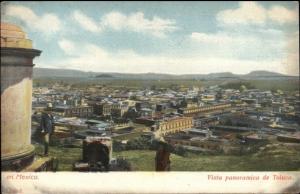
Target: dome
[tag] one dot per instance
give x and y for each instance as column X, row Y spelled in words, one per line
column 13, row 36
column 11, row 27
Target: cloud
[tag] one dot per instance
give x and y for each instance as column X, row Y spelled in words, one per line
column 247, row 13
column 211, row 38
column 244, row 35
column 292, row 54
column 254, row 14
column 94, row 58
column 114, row 20
column 47, row 23
column 240, row 45
column 67, row 46
column 138, row 23
column 282, row 15
column 86, row 22
column 135, row 22
column 277, row 47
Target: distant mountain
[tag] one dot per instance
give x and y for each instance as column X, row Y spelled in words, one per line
column 68, row 73
column 224, row 75
column 104, row 76
column 47, row 72
column 263, row 74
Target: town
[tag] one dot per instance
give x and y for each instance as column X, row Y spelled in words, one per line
column 212, row 120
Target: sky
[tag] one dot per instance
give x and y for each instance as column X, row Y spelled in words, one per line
column 161, row 37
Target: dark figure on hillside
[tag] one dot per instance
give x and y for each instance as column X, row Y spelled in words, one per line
column 47, row 127
column 162, row 159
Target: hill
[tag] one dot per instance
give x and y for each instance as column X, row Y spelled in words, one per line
column 69, row 73
column 264, row 74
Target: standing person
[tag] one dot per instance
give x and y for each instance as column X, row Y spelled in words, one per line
column 162, row 159
column 47, row 127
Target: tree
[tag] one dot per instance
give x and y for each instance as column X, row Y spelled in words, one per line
column 243, row 88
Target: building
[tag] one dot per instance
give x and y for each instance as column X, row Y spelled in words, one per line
column 118, row 110
column 98, row 125
column 290, row 138
column 207, row 121
column 103, row 109
column 173, row 125
column 110, row 109
column 148, row 121
column 208, row 97
column 202, row 109
column 78, row 111
column 145, row 112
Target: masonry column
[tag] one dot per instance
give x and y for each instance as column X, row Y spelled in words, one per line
column 16, row 97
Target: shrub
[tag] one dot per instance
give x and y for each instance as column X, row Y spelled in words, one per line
column 179, row 150
column 118, row 146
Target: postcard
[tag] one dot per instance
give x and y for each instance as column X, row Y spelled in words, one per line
column 150, row 97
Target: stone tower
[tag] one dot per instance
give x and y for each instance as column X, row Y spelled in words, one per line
column 16, row 96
